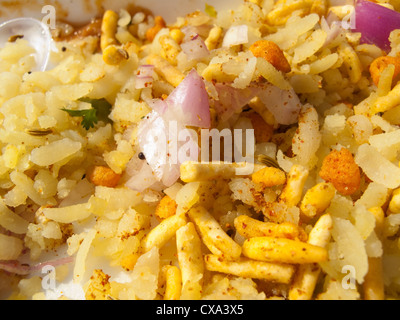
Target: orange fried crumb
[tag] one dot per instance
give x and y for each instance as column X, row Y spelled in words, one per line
column 263, row 131
column 340, row 169
column 380, row 64
column 271, row 52
column 152, row 32
column 269, row 177
column 166, row 208
column 104, row 176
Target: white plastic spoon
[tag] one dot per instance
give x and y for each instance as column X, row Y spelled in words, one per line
column 33, row 31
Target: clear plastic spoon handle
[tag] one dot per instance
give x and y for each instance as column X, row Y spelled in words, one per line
column 33, row 31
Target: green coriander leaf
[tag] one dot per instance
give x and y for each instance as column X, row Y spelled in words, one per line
column 102, row 106
column 88, row 115
column 100, row 111
column 210, row 10
column 89, row 119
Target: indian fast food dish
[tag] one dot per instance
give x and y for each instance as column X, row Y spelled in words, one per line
column 251, row 153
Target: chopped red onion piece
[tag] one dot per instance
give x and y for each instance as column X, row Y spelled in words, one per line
column 152, row 135
column 142, row 178
column 332, row 26
column 163, row 137
column 283, row 104
column 330, row 18
column 158, row 105
column 232, row 100
column 189, row 103
column 236, row 35
column 23, row 269
column 143, row 82
column 190, row 32
column 166, row 145
column 146, row 70
column 144, row 77
column 375, row 23
column 195, row 48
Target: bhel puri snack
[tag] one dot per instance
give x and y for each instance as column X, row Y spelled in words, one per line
column 248, row 154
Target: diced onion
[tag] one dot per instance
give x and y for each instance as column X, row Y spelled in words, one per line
column 195, row 48
column 164, row 138
column 161, row 142
column 142, row 178
column 231, row 100
column 236, row 35
column 189, row 104
column 146, row 70
column 24, row 269
column 285, row 105
column 143, row 82
column 332, row 26
column 144, row 77
column 375, row 23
